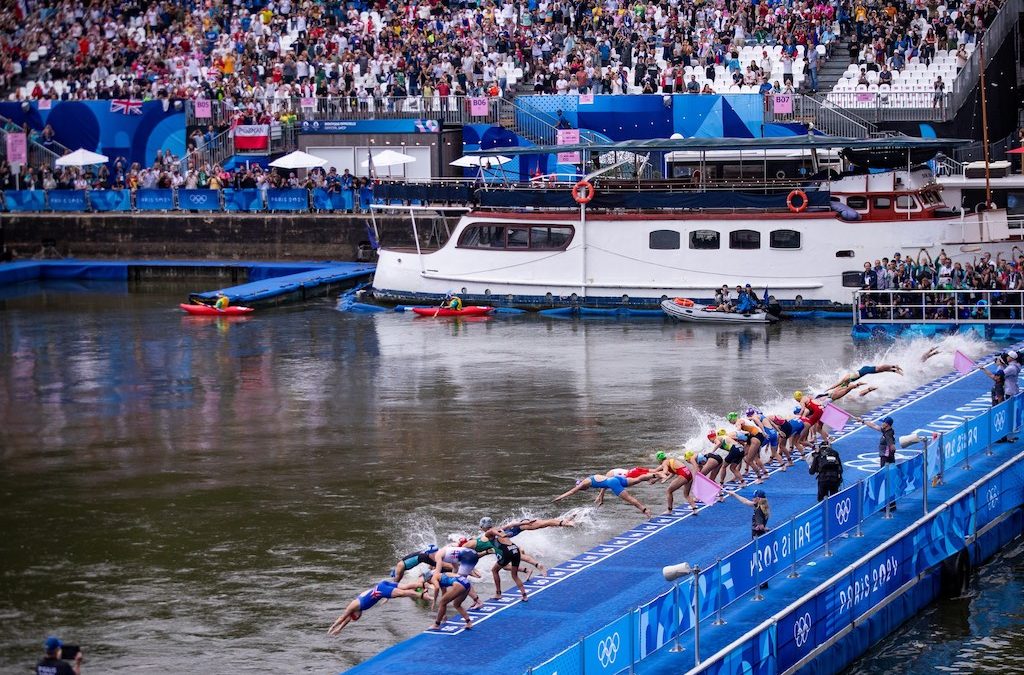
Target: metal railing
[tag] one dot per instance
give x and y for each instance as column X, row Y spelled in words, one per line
column 450, row 110
column 679, row 612
column 39, row 154
column 211, row 153
column 968, row 77
column 893, row 105
column 827, row 118
column 939, row 306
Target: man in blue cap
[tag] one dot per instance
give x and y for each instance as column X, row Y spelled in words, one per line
column 52, row 664
column 886, row 445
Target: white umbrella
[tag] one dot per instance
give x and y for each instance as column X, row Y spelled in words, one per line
column 388, row 158
column 299, row 160
column 469, row 161
column 82, row 157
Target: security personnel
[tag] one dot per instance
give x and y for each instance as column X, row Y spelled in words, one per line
column 826, row 463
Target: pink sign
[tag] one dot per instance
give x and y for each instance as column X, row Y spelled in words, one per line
column 586, row 99
column 865, row 98
column 568, row 137
column 783, row 104
column 307, row 102
column 962, row 364
column 44, row 104
column 204, row 110
column 17, row 148
column 478, row 107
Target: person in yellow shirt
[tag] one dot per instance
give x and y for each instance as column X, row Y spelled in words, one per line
column 222, row 302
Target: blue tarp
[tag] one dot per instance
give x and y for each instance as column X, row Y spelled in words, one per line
column 67, row 200
column 294, row 199
column 111, row 200
column 242, row 200
column 154, row 200
column 25, row 200
column 199, row 200
column 332, row 201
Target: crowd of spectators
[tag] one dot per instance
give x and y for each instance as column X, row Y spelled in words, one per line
column 949, row 287
column 246, row 50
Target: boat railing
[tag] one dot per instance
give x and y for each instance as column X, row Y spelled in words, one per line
column 695, row 602
column 955, row 306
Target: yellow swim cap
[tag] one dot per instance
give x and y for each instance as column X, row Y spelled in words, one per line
column 721, row 432
column 798, row 395
column 689, row 454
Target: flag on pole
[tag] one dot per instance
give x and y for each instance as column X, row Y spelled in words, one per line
column 834, row 417
column 962, row 364
column 704, row 489
column 126, row 106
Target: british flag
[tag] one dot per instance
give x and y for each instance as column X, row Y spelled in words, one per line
column 126, row 106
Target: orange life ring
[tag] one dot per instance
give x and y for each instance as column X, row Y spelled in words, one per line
column 696, row 175
column 684, row 302
column 803, row 201
column 587, row 192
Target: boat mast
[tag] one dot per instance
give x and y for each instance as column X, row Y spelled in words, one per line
column 984, row 126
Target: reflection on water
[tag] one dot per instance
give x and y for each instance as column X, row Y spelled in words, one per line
column 178, row 490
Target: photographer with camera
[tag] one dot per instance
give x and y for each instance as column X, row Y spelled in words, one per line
column 53, row 663
column 828, row 466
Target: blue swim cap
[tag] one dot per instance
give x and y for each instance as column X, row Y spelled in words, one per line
column 796, row 410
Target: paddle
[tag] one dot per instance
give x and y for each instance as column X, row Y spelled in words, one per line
column 439, row 308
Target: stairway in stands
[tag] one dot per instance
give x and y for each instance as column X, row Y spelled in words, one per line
column 833, row 69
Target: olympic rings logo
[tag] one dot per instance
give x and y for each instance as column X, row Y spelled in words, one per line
column 608, row 649
column 802, row 629
column 197, row 199
column 999, row 419
column 843, row 509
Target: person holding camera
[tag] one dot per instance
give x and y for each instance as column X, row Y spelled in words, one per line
column 828, row 467
column 53, row 663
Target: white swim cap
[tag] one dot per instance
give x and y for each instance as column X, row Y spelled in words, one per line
column 486, row 523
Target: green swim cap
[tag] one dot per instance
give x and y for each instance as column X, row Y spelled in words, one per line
column 733, row 416
column 660, row 456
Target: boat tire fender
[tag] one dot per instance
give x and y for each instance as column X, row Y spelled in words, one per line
column 583, row 192
column 797, row 208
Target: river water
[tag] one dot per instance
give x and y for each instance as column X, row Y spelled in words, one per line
column 179, row 492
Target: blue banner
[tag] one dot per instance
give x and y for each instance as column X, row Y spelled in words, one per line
column 293, row 199
column 843, row 511
column 936, row 540
column 877, row 491
column 835, row 607
column 879, row 577
column 736, row 574
column 154, row 200
column 954, row 446
column 199, row 200
column 67, row 200
column 110, row 200
column 410, row 126
column 1001, row 420
column 808, row 532
column 344, row 200
column 242, row 200
column 610, row 649
column 569, row 662
column 657, row 622
column 25, row 200
column 978, row 434
column 756, row 656
column 322, row 200
column 797, row 634
column 1018, row 412
column 906, row 476
column 991, row 503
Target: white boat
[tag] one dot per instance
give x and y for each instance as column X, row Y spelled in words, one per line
column 635, row 246
column 694, row 313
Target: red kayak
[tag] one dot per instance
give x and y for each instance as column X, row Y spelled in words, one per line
column 469, row 310
column 206, row 310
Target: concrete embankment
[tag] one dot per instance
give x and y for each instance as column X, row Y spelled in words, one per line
column 217, row 235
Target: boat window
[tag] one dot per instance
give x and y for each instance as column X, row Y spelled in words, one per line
column 483, row 236
column 844, row 254
column 853, row 280
column 906, row 202
column 857, row 202
column 746, row 239
column 550, row 238
column 518, row 237
column 883, row 203
column 664, row 239
column 704, row 239
column 784, row 239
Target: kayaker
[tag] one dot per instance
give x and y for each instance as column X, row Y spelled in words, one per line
column 384, row 590
column 617, row 484
column 454, row 303
column 680, row 471
column 222, row 302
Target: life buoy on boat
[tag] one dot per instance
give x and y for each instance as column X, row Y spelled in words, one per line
column 803, row 201
column 583, row 192
column 684, row 302
column 696, row 175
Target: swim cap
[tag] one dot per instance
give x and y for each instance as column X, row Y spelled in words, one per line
column 462, row 541
column 486, row 523
column 751, row 412
column 796, row 410
column 660, row 456
column 733, row 416
column 701, row 459
column 711, row 436
column 721, row 432
column 432, row 548
column 689, row 454
column 798, row 394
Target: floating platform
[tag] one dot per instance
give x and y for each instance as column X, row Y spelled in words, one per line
column 293, row 287
column 584, row 618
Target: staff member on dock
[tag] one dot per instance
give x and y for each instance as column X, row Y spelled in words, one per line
column 762, row 511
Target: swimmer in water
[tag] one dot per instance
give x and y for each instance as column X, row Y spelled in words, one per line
column 811, row 412
column 837, row 393
column 384, row 590
column 515, row 527
column 680, row 471
column 616, row 483
column 771, row 433
column 867, row 370
column 464, row 560
column 423, row 556
column 484, row 546
column 930, row 353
